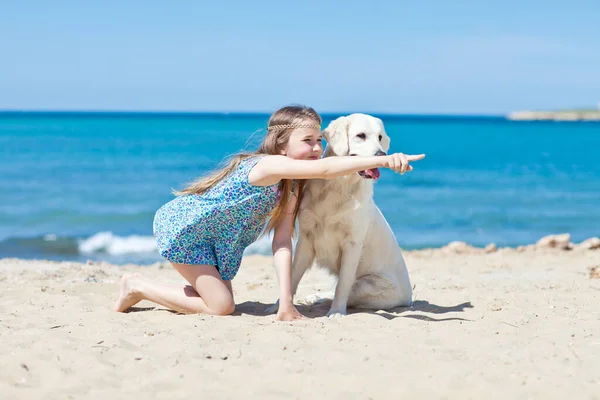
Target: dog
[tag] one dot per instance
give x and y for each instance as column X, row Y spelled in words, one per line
column 342, row 230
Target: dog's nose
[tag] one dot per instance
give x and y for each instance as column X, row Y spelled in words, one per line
column 381, row 153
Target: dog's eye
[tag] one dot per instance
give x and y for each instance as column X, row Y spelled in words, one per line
column 361, row 136
column 380, row 137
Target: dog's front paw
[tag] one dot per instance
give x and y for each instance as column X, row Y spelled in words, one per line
column 273, row 309
column 334, row 313
column 317, row 298
column 310, row 300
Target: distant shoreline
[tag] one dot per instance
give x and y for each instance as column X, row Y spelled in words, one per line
column 563, row 115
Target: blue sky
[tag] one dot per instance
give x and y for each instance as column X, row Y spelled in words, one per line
column 448, row 57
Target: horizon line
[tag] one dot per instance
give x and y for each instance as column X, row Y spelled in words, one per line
column 247, row 113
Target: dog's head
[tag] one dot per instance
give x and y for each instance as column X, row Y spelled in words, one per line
column 357, row 135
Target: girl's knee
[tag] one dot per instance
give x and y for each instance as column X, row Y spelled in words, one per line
column 221, row 304
column 225, row 306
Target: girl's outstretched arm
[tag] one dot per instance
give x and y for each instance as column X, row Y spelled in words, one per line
column 282, row 258
column 271, row 169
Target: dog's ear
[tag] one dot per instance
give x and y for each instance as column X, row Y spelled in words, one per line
column 336, row 135
column 385, row 142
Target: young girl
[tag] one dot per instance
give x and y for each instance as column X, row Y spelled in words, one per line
column 203, row 232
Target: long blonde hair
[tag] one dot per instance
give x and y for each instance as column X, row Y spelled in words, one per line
column 273, row 143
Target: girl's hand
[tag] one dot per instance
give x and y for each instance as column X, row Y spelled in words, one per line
column 398, row 162
column 289, row 314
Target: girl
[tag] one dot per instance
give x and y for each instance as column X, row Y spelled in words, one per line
column 203, row 232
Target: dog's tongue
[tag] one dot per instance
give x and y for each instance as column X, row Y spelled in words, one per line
column 373, row 173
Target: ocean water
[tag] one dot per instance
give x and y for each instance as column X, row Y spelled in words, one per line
column 78, row 186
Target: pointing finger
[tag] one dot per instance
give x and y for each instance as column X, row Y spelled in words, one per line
column 415, row 157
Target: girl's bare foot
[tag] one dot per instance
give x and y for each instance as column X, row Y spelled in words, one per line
column 130, row 292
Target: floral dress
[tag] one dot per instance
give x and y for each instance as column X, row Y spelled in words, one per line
column 214, row 228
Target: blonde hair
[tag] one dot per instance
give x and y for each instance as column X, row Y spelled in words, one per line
column 280, row 127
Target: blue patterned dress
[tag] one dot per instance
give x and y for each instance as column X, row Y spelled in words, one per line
column 214, row 228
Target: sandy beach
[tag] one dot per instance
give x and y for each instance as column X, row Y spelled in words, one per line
column 509, row 324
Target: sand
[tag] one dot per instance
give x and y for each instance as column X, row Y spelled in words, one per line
column 509, row 324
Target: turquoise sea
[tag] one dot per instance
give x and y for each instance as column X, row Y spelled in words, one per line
column 78, row 186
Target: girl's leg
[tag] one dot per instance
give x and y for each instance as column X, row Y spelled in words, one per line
column 209, row 294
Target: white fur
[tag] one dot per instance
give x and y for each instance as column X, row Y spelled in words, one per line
column 341, row 228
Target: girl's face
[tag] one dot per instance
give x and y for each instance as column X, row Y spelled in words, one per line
column 304, row 144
